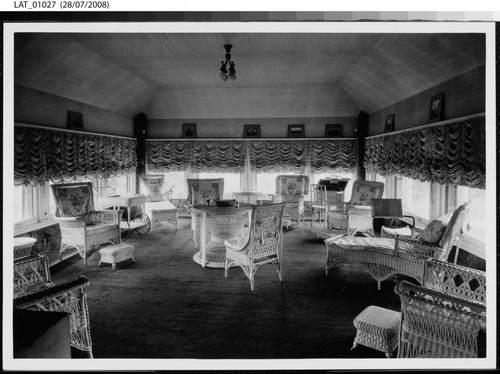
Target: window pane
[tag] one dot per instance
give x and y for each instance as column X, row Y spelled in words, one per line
column 477, row 219
column 25, row 203
column 177, row 180
column 416, row 197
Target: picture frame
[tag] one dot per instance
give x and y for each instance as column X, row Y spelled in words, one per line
column 189, row 130
column 75, row 121
column 389, row 123
column 333, row 130
column 251, row 131
column 296, row 131
column 436, row 108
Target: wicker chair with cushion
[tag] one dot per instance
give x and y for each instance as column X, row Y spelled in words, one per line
column 385, row 257
column 201, row 191
column 69, row 297
column 356, row 214
column 264, row 244
column 82, row 227
column 291, row 190
column 158, row 206
column 438, row 325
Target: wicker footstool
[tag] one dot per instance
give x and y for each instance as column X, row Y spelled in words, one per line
column 114, row 254
column 377, row 328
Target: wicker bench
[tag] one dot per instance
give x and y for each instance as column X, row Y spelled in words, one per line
column 115, row 254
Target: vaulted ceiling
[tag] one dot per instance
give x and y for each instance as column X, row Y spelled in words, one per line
column 176, row 75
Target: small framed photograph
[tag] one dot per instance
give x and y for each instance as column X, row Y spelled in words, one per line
column 252, row 131
column 75, row 121
column 189, row 130
column 389, row 123
column 436, row 108
column 333, row 131
column 296, row 131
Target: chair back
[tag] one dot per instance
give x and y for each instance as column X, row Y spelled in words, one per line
column 73, row 199
column 154, row 187
column 266, row 231
column 434, row 324
column 364, row 191
column 318, row 194
column 201, row 190
column 30, row 274
column 387, row 208
column 455, row 280
column 455, row 229
column 291, row 187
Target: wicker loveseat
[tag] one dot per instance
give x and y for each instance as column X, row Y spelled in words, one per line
column 385, row 257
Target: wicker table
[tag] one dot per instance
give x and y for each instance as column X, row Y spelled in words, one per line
column 222, row 223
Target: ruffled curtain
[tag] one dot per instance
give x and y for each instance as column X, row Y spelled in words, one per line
column 168, row 155
column 454, row 153
column 60, row 156
column 224, row 156
column 336, row 156
column 278, row 156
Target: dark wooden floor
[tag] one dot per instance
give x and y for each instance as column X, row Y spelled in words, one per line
column 167, row 306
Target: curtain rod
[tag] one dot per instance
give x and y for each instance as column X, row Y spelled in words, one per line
column 441, row 123
column 72, row 131
column 247, row 139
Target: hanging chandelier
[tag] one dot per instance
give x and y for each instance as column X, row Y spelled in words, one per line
column 223, row 68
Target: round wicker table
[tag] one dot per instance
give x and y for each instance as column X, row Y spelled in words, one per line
column 222, row 223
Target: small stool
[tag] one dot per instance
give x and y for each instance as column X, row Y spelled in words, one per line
column 377, row 328
column 114, row 254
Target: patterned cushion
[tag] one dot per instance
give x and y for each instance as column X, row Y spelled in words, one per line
column 291, row 188
column 435, row 230
column 363, row 195
column 155, row 189
column 205, row 191
column 360, row 243
column 73, row 201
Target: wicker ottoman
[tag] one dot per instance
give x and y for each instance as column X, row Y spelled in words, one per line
column 377, row 328
column 161, row 211
column 114, row 254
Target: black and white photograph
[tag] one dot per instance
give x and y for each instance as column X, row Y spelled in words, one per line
column 158, row 235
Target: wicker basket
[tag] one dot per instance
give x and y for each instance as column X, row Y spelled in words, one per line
column 23, row 246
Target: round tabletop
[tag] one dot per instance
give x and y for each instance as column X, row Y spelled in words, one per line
column 21, row 242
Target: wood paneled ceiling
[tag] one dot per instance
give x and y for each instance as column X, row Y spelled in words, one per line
column 176, row 75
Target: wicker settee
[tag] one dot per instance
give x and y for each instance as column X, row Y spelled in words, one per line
column 385, row 257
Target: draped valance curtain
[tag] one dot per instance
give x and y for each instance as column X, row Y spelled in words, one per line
column 273, row 156
column 453, row 153
column 61, row 156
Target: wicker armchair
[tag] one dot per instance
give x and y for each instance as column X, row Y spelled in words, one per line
column 263, row 246
column 31, row 274
column 158, row 206
column 385, row 257
column 437, row 325
column 291, row 189
column 69, row 297
column 356, row 214
column 82, row 227
column 199, row 192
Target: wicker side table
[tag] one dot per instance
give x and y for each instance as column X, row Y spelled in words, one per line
column 114, row 254
column 377, row 328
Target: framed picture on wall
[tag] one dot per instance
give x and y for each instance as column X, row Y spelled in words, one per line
column 436, row 108
column 75, row 121
column 189, row 130
column 389, row 123
column 296, row 131
column 251, row 131
column 333, row 131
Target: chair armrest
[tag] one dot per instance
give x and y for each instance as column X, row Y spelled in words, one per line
column 364, row 210
column 276, row 198
column 107, row 216
column 408, row 247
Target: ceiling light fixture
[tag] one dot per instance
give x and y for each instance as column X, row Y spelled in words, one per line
column 223, row 68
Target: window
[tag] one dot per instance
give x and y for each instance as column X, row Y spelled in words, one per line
column 477, row 219
column 416, row 196
column 25, row 205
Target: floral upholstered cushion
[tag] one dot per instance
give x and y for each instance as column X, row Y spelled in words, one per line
column 435, row 229
column 363, row 195
column 291, row 188
column 73, row 201
column 155, row 188
column 205, row 191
